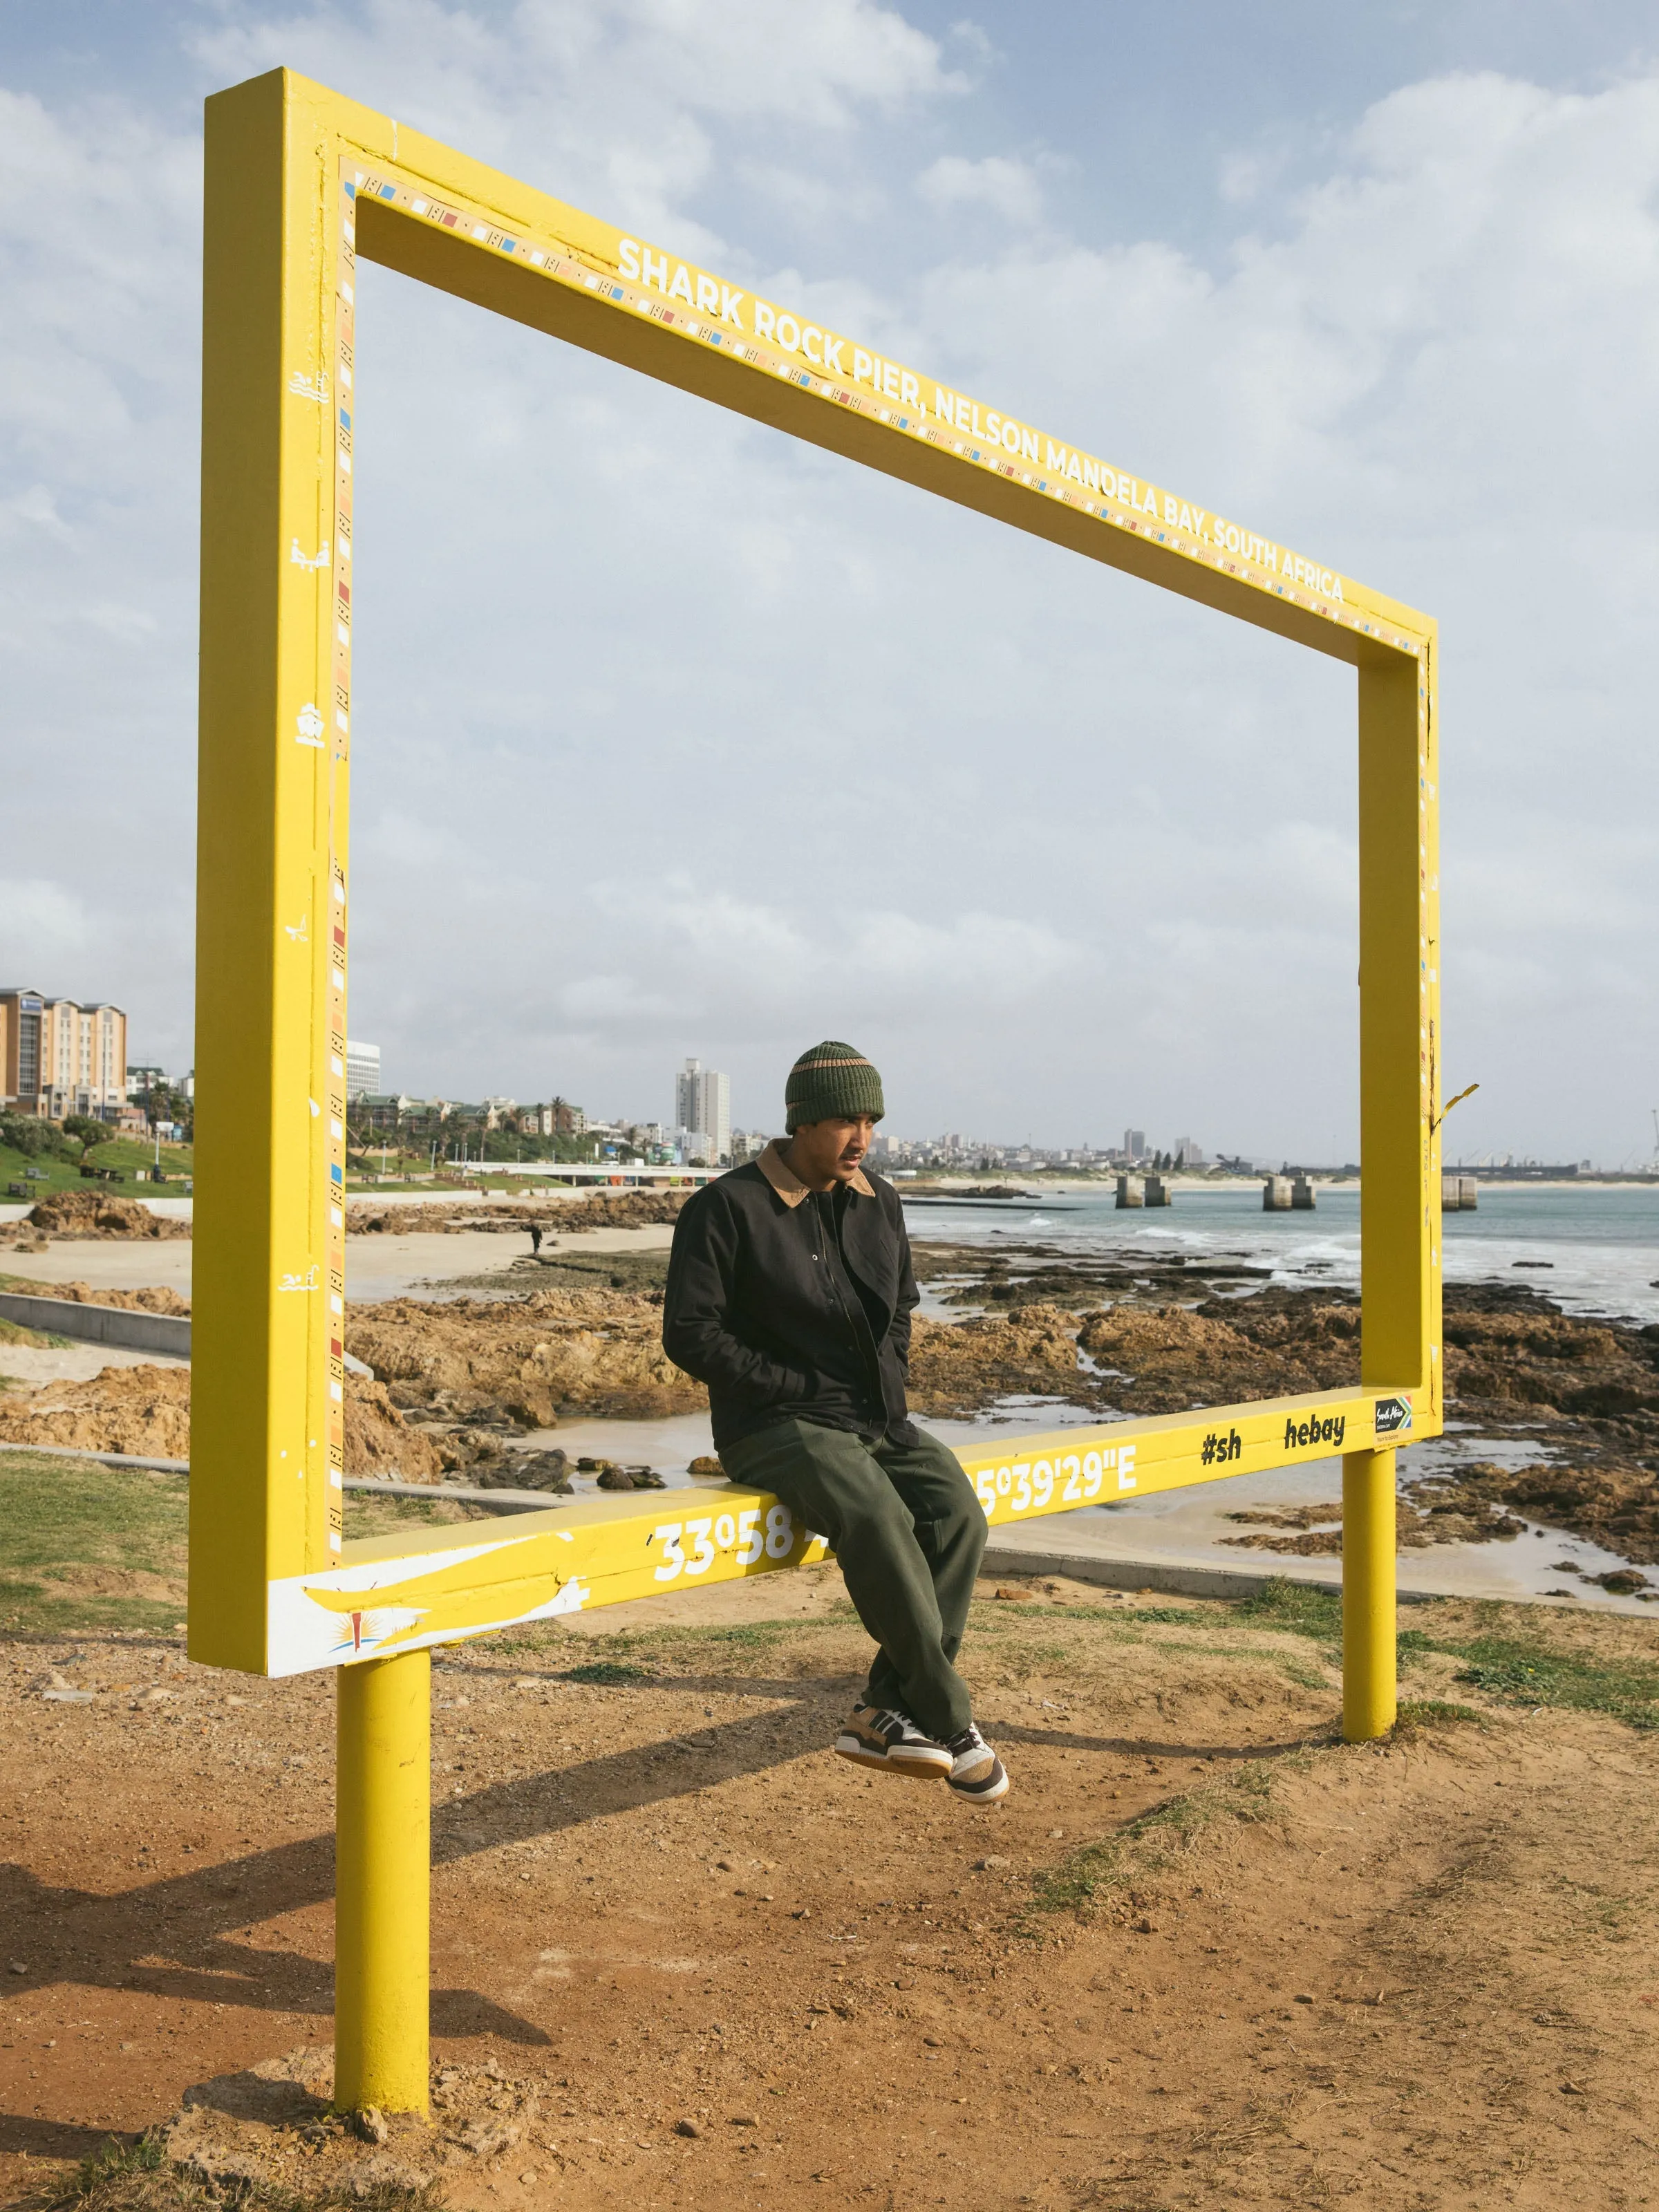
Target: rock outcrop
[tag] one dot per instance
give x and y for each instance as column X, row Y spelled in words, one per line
column 100, row 1213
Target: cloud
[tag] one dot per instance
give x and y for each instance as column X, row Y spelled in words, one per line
column 684, row 955
column 1009, row 189
column 628, row 101
column 33, row 508
column 42, row 922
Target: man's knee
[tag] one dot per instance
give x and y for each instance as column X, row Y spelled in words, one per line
column 842, row 1492
column 957, row 1510
column 874, row 1513
column 966, row 1530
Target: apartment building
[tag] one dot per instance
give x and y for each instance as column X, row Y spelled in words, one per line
column 558, row 1118
column 389, row 1112
column 702, row 1106
column 59, row 1057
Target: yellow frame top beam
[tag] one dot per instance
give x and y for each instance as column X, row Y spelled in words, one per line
column 452, row 223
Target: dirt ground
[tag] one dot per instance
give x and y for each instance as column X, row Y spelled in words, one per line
column 684, row 1957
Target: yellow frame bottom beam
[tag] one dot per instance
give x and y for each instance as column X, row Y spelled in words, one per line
column 404, row 1592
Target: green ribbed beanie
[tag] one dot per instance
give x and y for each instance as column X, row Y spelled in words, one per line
column 831, row 1082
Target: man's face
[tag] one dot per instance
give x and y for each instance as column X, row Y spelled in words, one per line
column 830, row 1151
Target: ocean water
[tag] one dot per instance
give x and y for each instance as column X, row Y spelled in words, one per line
column 1594, row 1250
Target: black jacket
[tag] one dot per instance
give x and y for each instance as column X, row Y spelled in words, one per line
column 782, row 1318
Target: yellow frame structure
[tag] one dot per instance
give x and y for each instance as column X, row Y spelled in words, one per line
column 299, row 183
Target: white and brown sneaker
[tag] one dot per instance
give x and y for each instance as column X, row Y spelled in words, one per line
column 976, row 1773
column 875, row 1736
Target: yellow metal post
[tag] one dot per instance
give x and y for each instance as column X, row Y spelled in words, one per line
column 1400, row 1151
column 1398, row 1030
column 1369, row 1694
column 267, row 1395
column 382, row 1935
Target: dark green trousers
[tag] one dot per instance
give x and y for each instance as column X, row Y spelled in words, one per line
column 909, row 1534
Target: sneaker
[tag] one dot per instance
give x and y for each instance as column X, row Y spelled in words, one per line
column 976, row 1773
column 873, row 1737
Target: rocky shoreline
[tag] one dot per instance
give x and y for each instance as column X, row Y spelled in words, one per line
column 457, row 1383
column 1581, row 1394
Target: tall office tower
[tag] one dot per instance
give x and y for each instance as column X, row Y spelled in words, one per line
column 1134, row 1143
column 703, row 1100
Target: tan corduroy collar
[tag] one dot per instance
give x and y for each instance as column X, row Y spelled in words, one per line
column 788, row 1185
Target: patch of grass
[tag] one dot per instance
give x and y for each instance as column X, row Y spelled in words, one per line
column 994, row 1617
column 127, row 2174
column 753, row 1635
column 1415, row 1714
column 746, row 1635
column 1149, row 1844
column 1602, row 1912
column 1019, row 1631
column 28, row 1611
column 1530, row 1672
column 676, row 1647
column 606, row 1670
column 139, row 2178
column 366, row 1515
column 1517, row 1670
column 126, row 1155
column 1000, row 1615
column 1295, row 1607
column 1280, row 1661
column 1047, row 1654
column 59, row 1517
column 37, row 1339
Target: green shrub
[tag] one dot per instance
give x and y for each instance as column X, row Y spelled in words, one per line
column 35, row 1139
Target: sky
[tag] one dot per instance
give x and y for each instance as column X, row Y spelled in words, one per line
column 672, row 736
